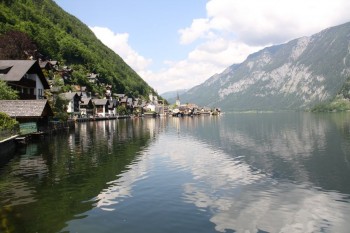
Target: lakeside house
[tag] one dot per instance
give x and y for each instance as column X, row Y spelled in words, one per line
column 86, row 107
column 25, row 76
column 93, row 78
column 112, row 108
column 28, row 78
column 101, row 107
column 49, row 65
column 35, row 112
column 73, row 106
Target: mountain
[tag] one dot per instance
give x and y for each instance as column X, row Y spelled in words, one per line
column 61, row 36
column 291, row 76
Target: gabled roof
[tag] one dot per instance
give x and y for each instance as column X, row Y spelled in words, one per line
column 45, row 65
column 124, row 99
column 69, row 95
column 26, row 108
column 54, row 63
column 100, row 101
column 18, row 68
column 85, row 101
column 113, row 103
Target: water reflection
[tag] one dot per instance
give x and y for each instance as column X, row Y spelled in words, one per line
column 239, row 185
column 300, row 147
column 242, row 199
column 58, row 177
column 121, row 187
column 233, row 173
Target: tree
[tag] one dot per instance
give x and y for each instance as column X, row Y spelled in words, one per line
column 7, row 123
column 17, row 45
column 121, row 110
column 8, row 126
column 6, row 92
column 60, row 108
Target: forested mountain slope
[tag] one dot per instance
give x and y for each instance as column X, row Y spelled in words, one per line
column 61, row 36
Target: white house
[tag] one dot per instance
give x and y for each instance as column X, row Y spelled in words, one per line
column 101, row 107
column 74, row 100
column 25, row 76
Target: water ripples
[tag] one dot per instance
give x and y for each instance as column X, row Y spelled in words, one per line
column 174, row 176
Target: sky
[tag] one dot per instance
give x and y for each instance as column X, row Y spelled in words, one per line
column 178, row 44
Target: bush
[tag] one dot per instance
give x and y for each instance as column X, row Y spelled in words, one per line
column 337, row 105
column 6, row 92
column 7, row 123
column 8, row 126
column 122, row 110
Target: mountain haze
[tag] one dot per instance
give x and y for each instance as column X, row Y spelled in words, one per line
column 173, row 94
column 291, row 76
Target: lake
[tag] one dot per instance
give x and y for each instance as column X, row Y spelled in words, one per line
column 248, row 172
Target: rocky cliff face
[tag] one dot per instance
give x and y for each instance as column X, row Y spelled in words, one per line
column 295, row 75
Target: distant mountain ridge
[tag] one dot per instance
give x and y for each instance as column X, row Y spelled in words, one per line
column 291, row 76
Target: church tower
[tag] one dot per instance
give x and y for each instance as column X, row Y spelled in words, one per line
column 177, row 103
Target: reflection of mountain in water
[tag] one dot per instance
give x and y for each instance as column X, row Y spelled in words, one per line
column 258, row 174
column 300, row 147
column 66, row 172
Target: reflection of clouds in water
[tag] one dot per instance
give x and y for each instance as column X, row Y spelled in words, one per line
column 245, row 200
column 279, row 209
column 137, row 170
column 122, row 187
column 285, row 142
column 201, row 160
column 290, row 143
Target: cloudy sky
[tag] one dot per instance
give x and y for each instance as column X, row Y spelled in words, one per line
column 178, row 44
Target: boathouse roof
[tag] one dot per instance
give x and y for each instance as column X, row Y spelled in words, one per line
column 26, row 108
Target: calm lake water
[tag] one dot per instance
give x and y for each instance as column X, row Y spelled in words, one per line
column 270, row 172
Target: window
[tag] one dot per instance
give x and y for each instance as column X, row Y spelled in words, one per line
column 40, row 93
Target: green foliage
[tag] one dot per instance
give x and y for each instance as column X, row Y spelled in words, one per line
column 7, row 93
column 337, row 105
column 121, row 110
column 345, row 90
column 16, row 45
column 340, row 103
column 60, row 36
column 7, row 123
column 60, row 108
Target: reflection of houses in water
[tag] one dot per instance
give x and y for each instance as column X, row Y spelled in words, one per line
column 32, row 164
column 176, row 122
column 110, row 132
column 151, row 126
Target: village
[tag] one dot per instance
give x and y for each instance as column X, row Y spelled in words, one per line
column 37, row 96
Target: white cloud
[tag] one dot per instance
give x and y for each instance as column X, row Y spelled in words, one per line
column 119, row 43
column 180, row 74
column 234, row 29
column 199, row 28
column 200, row 64
column 257, row 22
column 231, row 31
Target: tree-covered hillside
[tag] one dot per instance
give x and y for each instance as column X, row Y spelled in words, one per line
column 61, row 36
